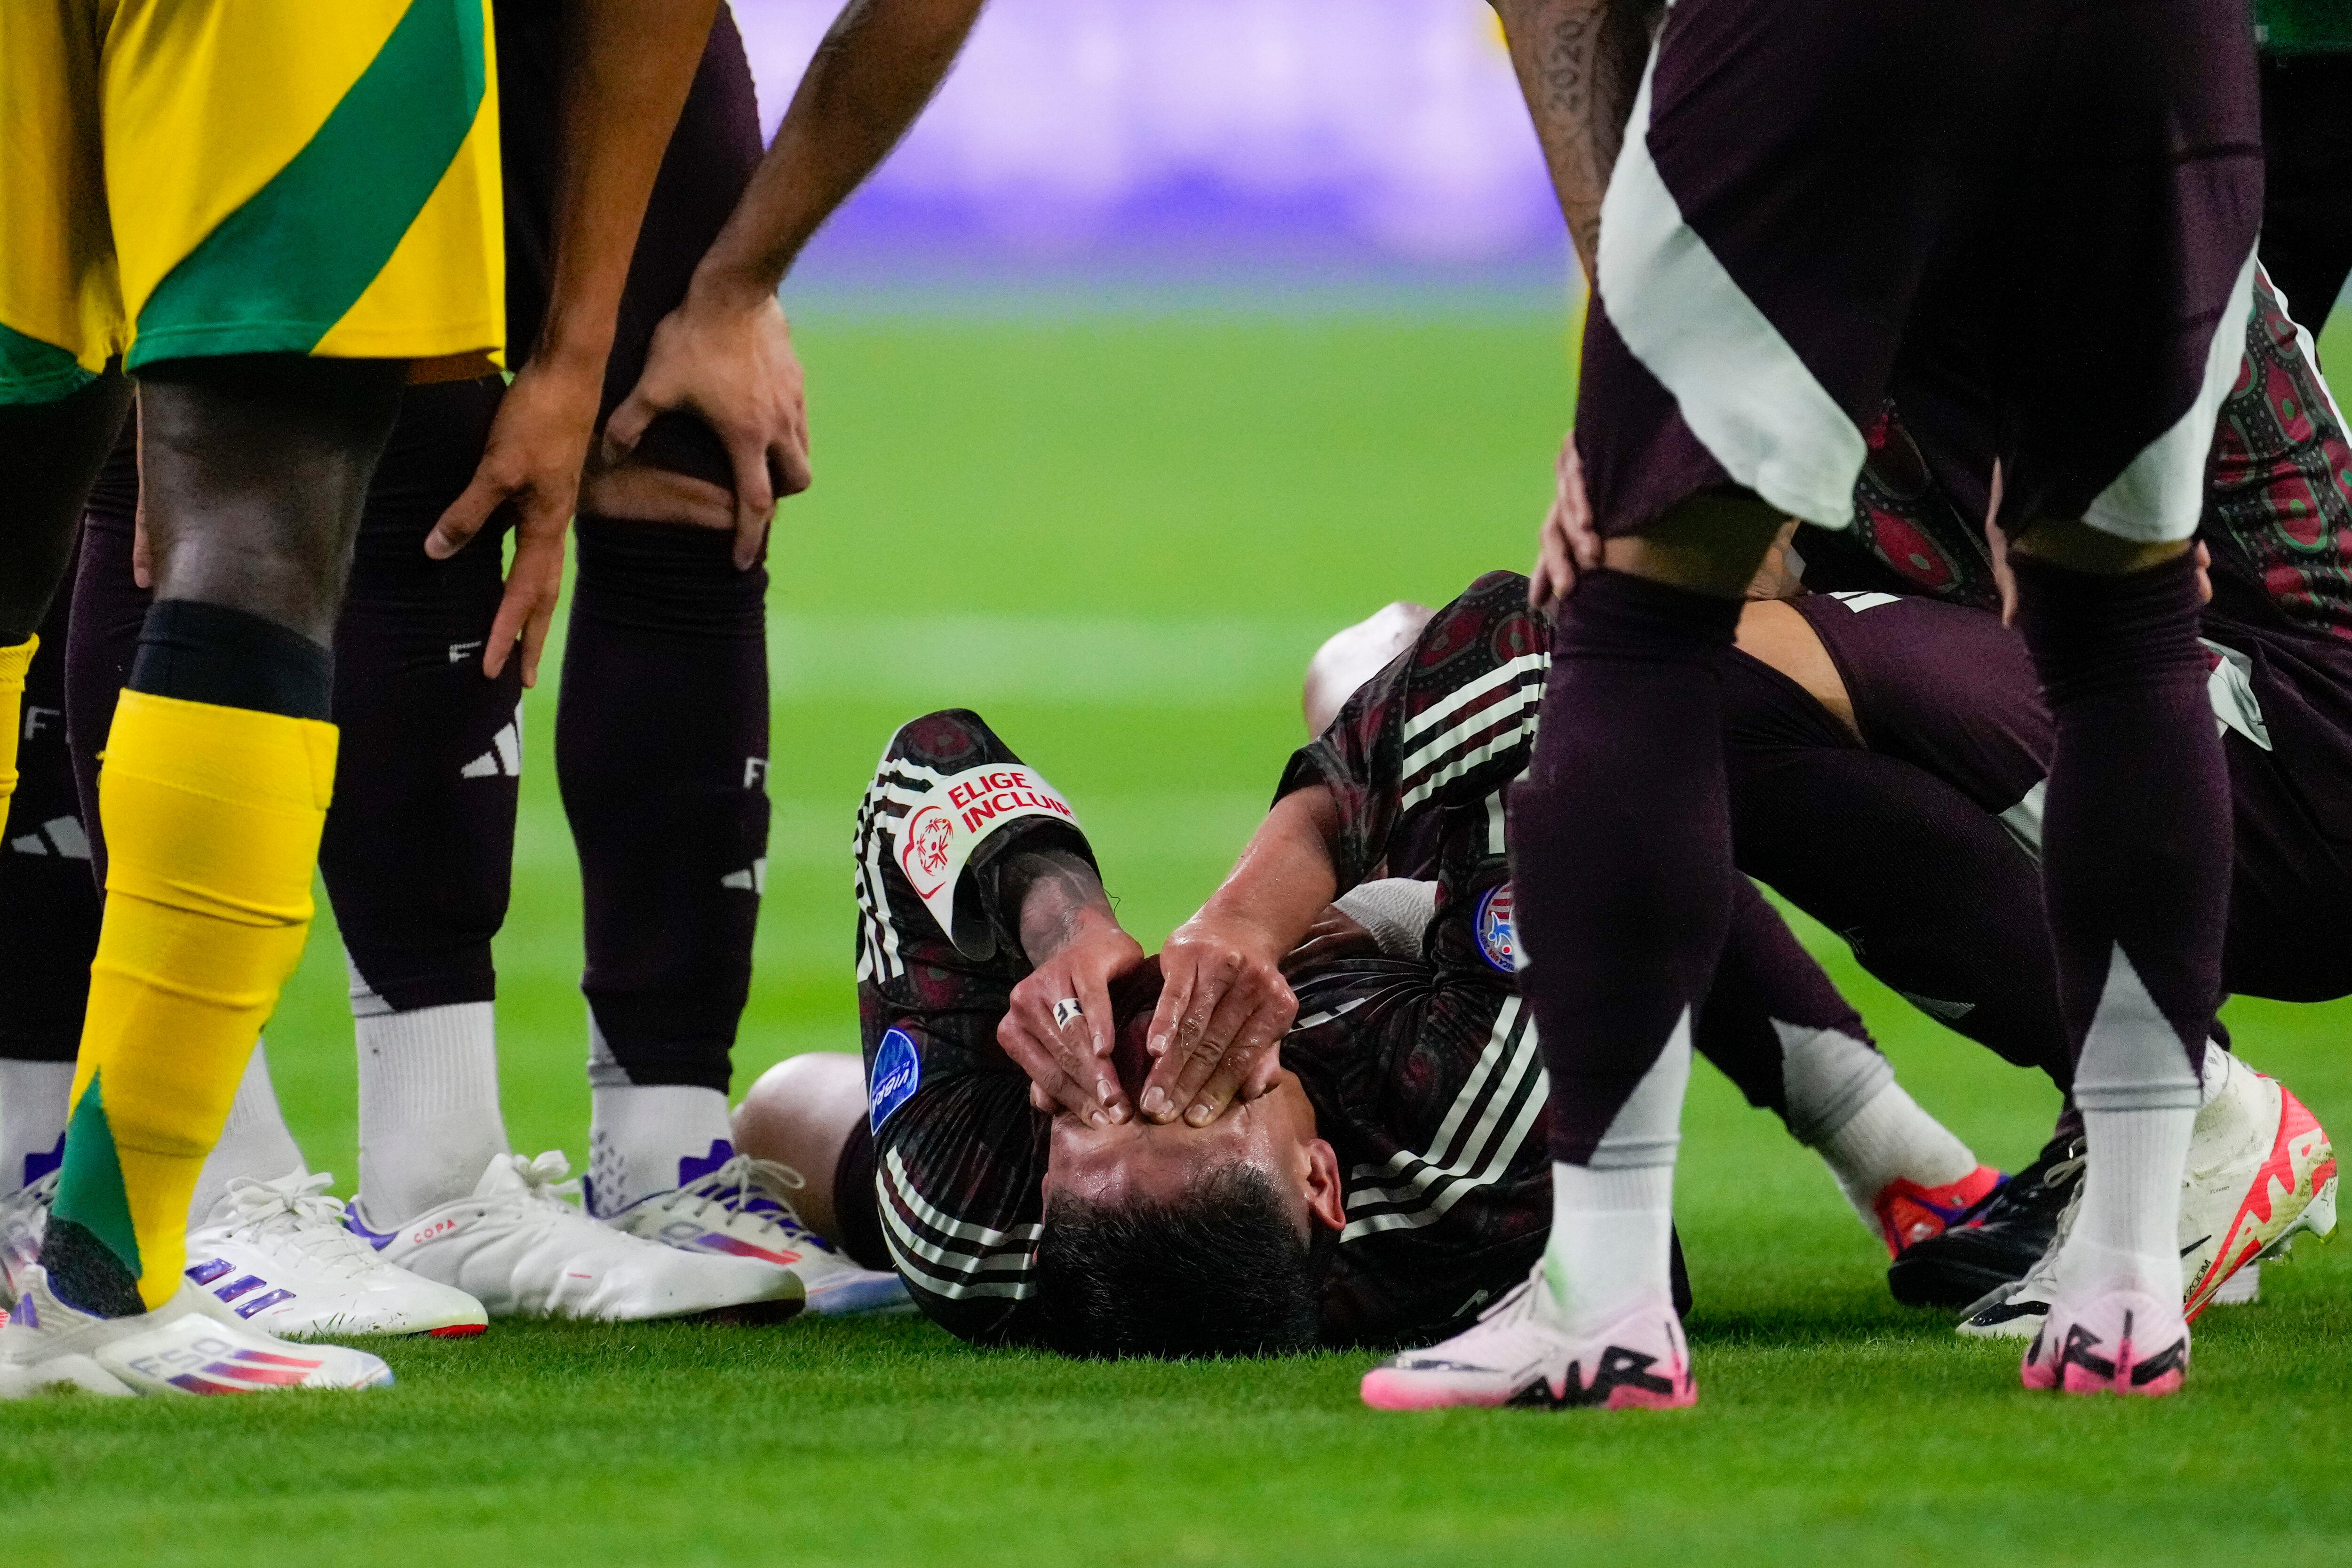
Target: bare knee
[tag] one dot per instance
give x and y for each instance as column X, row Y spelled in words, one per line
column 1711, row 542
column 801, row 1113
column 256, row 469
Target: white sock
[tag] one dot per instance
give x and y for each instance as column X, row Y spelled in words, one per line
column 1612, row 1220
column 2128, row 1229
column 1887, row 1139
column 32, row 1119
column 1612, row 1240
column 429, row 1122
column 255, row 1143
column 2139, row 1102
column 644, row 1139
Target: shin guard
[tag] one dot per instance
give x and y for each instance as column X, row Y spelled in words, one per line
column 213, row 814
column 16, row 662
column 661, row 752
column 2136, row 831
column 1621, row 844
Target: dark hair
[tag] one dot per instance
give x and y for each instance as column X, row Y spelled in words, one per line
column 1221, row 1269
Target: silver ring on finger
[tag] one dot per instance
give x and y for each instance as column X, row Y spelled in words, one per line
column 1066, row 1009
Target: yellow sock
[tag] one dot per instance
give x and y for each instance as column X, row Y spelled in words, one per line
column 14, row 662
column 212, row 818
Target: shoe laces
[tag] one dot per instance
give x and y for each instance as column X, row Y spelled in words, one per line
column 756, row 1189
column 2049, row 1171
column 1513, row 1302
column 24, row 1220
column 28, row 1206
column 544, row 1180
column 297, row 1212
column 2041, row 1281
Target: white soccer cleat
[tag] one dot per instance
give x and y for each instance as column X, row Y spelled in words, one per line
column 2261, row 1173
column 276, row 1254
column 523, row 1251
column 1519, row 1353
column 24, row 1220
column 2243, row 1288
column 742, row 1210
column 2015, row 1311
column 191, row 1344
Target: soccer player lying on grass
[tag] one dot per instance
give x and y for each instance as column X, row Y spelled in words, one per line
column 1385, row 1175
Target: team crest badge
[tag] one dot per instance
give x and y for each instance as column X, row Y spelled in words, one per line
column 1497, row 941
column 954, row 817
column 926, row 848
column 897, row 1073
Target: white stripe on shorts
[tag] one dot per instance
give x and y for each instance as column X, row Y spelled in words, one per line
column 2161, row 495
column 1742, row 390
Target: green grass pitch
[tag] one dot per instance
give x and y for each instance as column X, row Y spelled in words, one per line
column 1120, row 539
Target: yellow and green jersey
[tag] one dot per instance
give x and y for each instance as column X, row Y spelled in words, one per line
column 189, row 178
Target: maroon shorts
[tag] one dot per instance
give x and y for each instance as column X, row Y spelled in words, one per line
column 713, row 155
column 1943, row 687
column 1818, row 195
column 1951, row 690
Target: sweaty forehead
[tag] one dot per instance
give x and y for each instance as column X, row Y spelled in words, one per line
column 1138, row 1160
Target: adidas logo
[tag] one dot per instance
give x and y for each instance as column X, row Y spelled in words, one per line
column 753, row 878
column 60, row 835
column 504, row 759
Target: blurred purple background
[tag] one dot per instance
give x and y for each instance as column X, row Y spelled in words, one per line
column 1280, row 144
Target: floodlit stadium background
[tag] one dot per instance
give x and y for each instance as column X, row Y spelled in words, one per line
column 1292, row 142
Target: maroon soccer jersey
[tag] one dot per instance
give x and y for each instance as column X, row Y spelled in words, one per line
column 1426, row 1077
column 2278, row 639
column 1423, row 1075
column 2278, row 512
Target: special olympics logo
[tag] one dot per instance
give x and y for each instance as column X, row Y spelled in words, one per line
column 1493, row 925
column 927, row 840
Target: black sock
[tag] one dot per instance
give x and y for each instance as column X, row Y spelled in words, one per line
column 210, row 653
column 48, row 901
column 661, row 751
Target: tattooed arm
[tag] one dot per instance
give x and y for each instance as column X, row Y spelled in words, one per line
column 1579, row 63
column 1070, row 936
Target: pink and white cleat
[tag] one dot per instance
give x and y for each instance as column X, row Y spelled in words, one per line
column 2119, row 1340
column 1520, row 1352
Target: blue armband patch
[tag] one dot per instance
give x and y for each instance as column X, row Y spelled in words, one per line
column 897, row 1073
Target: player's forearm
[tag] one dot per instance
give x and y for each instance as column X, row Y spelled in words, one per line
column 1579, row 65
column 1059, row 899
column 877, row 67
column 1286, row 877
column 627, row 65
